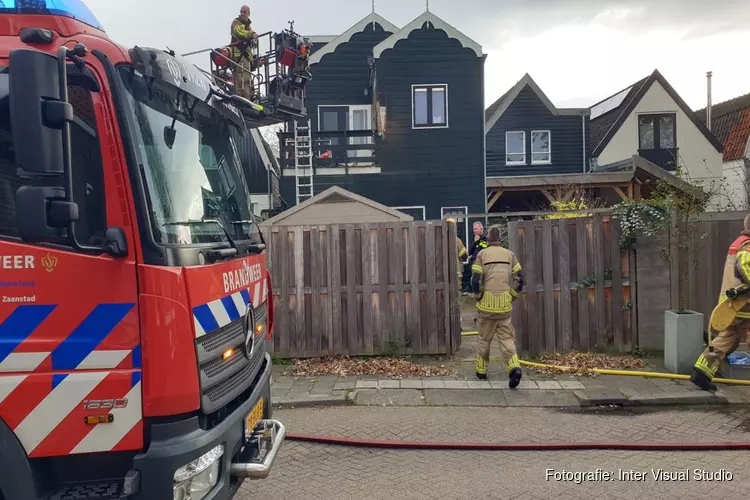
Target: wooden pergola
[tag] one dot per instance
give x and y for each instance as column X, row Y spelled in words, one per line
column 629, row 179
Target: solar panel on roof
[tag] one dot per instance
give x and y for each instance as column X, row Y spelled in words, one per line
column 608, row 105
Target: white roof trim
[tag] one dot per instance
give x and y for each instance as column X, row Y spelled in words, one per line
column 342, row 192
column 417, row 24
column 517, row 88
column 322, row 39
column 255, row 133
column 347, row 35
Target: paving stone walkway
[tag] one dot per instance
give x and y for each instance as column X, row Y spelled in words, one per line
column 538, row 390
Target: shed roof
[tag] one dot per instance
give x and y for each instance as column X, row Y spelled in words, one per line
column 337, row 192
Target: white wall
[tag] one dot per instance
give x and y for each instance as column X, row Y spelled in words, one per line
column 262, row 203
column 700, row 159
column 735, row 178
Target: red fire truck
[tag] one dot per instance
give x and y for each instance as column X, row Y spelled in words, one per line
column 136, row 303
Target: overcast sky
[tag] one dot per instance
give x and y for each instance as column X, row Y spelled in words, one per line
column 578, row 51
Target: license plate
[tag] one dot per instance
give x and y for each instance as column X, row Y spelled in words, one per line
column 254, row 416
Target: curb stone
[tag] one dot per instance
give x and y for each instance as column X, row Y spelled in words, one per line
column 345, row 399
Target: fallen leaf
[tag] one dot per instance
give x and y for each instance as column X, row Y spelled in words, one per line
column 584, row 363
column 385, row 366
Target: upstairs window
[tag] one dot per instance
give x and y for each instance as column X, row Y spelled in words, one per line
column 656, row 131
column 515, row 148
column 540, row 147
column 429, row 106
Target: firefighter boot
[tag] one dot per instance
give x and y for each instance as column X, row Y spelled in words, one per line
column 481, row 368
column 514, row 378
column 701, row 380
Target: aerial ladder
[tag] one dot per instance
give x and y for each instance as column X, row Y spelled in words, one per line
column 278, row 77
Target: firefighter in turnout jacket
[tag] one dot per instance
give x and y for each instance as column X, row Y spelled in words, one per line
column 243, row 41
column 496, row 281
column 462, row 254
column 736, row 273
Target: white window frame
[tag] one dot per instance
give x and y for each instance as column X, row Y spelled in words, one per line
column 426, row 86
column 549, row 148
column 523, row 134
column 466, row 221
column 412, row 207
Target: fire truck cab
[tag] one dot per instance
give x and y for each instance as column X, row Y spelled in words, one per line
column 135, row 300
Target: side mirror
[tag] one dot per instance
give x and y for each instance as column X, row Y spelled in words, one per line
column 43, row 214
column 37, row 112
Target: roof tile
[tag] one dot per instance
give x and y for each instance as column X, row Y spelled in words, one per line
column 730, row 123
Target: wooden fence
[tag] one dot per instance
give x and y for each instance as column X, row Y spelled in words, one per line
column 578, row 292
column 363, row 289
column 660, row 276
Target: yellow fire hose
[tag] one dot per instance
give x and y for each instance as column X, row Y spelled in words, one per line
column 604, row 371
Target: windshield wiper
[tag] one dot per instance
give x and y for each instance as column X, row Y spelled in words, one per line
column 215, row 254
column 253, row 248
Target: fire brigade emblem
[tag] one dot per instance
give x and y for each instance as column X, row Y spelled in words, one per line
column 49, row 262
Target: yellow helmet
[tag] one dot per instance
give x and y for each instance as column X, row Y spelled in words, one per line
column 451, row 220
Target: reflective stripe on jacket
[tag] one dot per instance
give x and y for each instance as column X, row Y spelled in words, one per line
column 242, row 38
column 498, row 268
column 737, row 271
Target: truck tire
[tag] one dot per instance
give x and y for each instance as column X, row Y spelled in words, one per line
column 17, row 479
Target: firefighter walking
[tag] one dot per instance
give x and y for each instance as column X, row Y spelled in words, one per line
column 243, row 41
column 496, row 281
column 736, row 273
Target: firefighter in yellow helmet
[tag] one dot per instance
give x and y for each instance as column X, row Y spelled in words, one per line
column 496, row 281
column 462, row 254
column 244, row 40
column 736, row 273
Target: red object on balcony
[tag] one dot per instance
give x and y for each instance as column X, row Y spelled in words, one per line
column 288, row 58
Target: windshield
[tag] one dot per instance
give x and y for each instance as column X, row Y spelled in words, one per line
column 195, row 187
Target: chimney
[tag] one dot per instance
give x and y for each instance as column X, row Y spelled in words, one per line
column 708, row 105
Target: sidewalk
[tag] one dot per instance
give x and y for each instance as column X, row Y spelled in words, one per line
column 536, row 389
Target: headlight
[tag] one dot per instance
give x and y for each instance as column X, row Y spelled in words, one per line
column 193, row 481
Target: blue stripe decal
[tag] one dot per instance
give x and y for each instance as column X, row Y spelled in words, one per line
column 137, row 357
column 88, row 335
column 19, row 325
column 135, row 379
column 231, row 309
column 205, row 318
column 56, row 380
column 246, row 296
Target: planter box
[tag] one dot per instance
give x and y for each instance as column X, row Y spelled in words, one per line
column 683, row 340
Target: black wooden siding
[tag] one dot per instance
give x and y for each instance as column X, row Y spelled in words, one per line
column 433, row 167
column 341, row 76
column 428, row 167
column 526, row 113
column 255, row 171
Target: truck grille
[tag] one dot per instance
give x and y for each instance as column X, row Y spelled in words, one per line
column 222, row 380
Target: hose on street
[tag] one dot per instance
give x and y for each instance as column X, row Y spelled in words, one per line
column 631, row 373
column 468, row 446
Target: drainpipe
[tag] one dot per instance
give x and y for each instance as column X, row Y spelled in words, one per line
column 708, row 106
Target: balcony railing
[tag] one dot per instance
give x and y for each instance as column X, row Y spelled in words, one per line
column 340, row 149
column 665, row 158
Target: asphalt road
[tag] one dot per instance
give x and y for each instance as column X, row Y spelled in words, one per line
column 312, row 471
